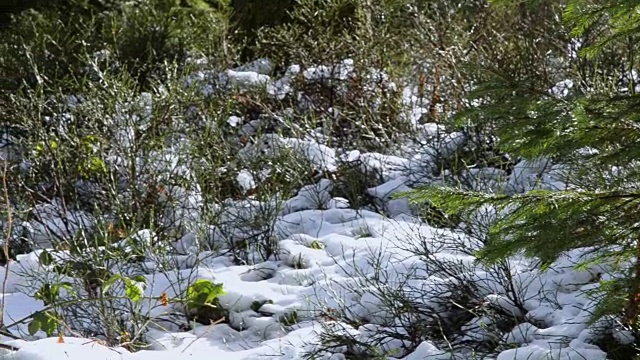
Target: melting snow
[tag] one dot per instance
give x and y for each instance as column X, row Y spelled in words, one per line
column 326, row 252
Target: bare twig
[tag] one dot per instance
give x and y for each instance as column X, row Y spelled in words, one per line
column 6, row 240
column 9, row 347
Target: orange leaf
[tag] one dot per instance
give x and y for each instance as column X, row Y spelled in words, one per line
column 164, row 300
column 60, row 339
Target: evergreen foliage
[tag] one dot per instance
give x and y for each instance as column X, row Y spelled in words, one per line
column 593, row 129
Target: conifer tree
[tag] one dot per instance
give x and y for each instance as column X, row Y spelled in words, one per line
column 599, row 207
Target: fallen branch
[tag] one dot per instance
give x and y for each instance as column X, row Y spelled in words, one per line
column 9, row 347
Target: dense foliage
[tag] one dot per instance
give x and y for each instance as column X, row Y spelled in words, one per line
column 588, row 123
column 94, row 102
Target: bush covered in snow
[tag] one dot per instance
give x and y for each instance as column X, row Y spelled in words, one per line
column 199, row 179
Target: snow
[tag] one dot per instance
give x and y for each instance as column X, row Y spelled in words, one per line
column 327, row 255
column 309, row 277
column 562, row 88
column 541, row 350
column 53, row 223
column 318, row 155
column 72, row 348
column 260, row 66
column 427, row 351
column 323, row 253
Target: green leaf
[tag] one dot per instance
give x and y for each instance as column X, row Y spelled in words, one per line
column 96, row 165
column 67, row 286
column 43, row 321
column 109, row 283
column 34, row 326
column 200, row 4
column 45, row 258
column 203, row 292
column 49, row 324
column 48, row 293
column 140, row 278
column 217, row 291
column 132, row 290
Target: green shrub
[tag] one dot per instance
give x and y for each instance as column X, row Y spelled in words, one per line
column 139, row 37
column 250, row 17
column 598, row 208
column 202, row 302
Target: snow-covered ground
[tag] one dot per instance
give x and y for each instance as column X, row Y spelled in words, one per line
column 331, row 256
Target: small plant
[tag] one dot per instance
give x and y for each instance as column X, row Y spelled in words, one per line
column 298, row 262
column 202, row 302
column 49, row 293
column 316, row 244
column 46, row 321
column 132, row 289
column 256, row 305
column 353, row 182
column 362, row 232
column 52, row 317
column 289, row 318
